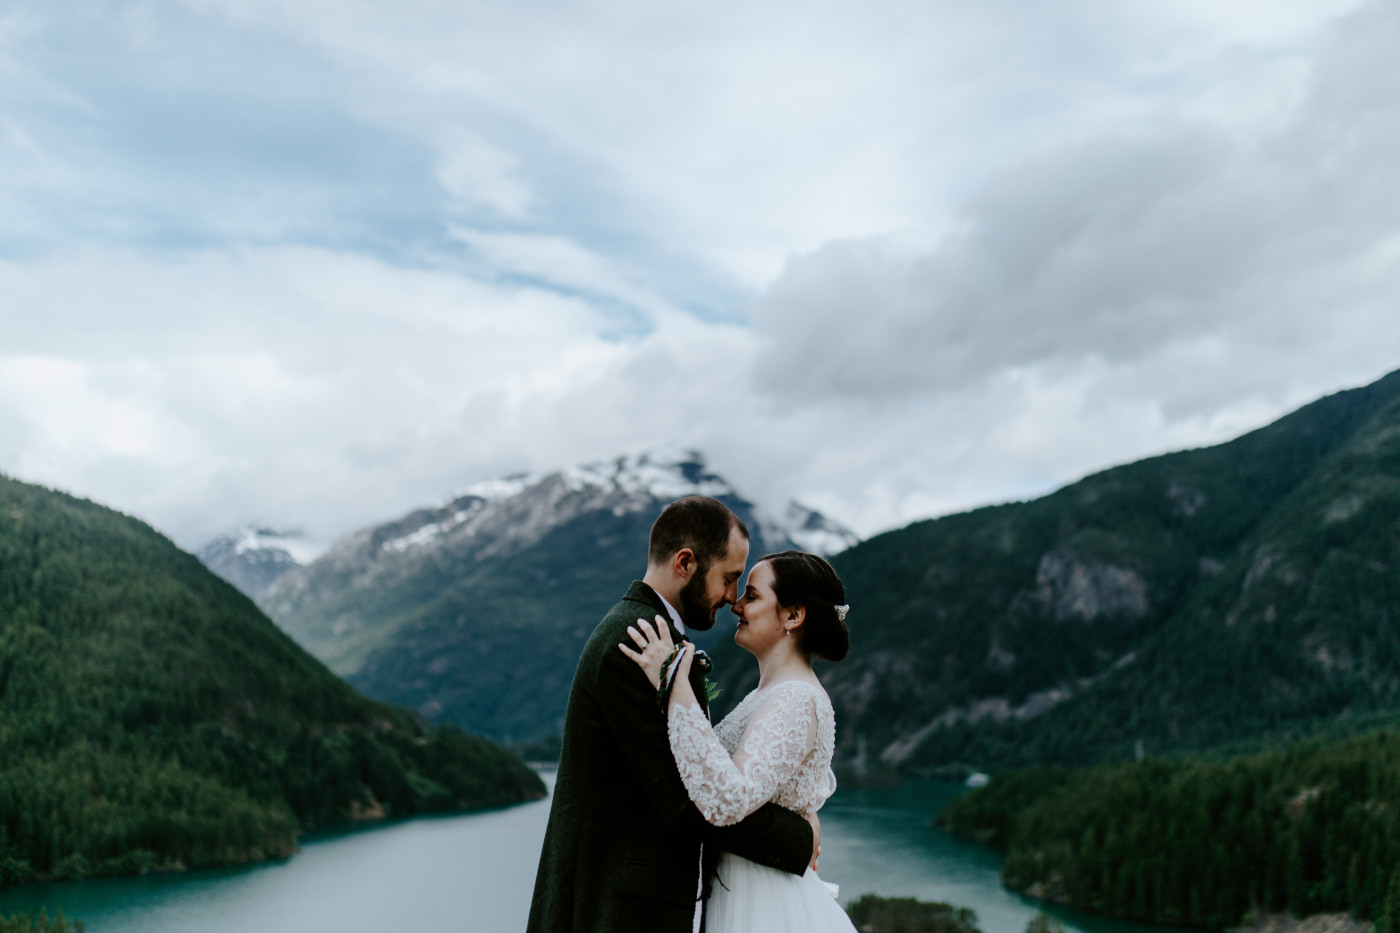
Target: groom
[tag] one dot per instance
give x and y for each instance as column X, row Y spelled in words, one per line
column 622, row 851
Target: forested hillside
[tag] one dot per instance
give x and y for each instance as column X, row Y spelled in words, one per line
column 152, row 718
column 1243, row 593
column 1309, row 829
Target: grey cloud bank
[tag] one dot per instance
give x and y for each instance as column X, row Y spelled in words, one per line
column 310, row 266
column 1120, row 248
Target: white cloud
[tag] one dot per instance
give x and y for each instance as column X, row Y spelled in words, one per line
column 568, row 266
column 1123, row 250
column 477, row 173
column 299, row 376
column 68, row 413
column 738, row 133
column 313, row 264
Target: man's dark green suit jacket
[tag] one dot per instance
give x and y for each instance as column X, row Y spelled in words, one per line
column 622, row 850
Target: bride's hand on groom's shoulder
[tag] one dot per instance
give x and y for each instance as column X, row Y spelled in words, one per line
column 655, row 644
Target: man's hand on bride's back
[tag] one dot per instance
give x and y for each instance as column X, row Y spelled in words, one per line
column 816, row 839
column 655, row 644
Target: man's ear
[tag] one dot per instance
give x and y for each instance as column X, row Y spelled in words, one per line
column 684, row 563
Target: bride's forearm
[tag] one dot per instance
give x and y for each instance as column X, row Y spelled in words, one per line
column 682, row 693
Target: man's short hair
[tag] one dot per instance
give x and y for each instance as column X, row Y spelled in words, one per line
column 696, row 522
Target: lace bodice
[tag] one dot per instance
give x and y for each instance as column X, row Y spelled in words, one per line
column 776, row 745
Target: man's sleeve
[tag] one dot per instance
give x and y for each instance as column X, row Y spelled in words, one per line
column 770, row 836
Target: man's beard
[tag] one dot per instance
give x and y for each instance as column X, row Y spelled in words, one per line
column 696, row 611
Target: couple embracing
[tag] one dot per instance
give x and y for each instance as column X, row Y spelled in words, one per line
column 661, row 822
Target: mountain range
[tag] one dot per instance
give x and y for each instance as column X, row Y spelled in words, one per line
column 473, row 610
column 1223, row 597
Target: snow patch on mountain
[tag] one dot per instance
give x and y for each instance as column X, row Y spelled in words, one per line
column 253, row 540
column 514, row 511
column 536, row 502
column 657, row 475
column 496, row 490
column 812, row 531
column 253, row 557
column 433, row 530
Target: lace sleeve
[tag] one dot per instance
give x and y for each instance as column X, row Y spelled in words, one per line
column 780, row 735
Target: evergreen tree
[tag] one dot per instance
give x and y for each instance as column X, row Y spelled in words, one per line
column 1297, row 880
column 1390, row 916
column 28, row 923
column 1044, row 923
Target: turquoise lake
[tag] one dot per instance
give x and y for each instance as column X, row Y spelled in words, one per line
column 475, row 872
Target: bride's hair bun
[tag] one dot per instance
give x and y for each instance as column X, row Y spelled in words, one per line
column 806, row 580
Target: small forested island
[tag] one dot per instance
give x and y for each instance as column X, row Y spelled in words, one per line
column 1213, row 843
column 873, row 914
column 153, row 719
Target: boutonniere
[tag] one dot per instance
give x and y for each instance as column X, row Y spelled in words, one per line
column 701, row 663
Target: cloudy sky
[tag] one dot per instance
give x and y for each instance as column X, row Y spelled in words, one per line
column 312, row 263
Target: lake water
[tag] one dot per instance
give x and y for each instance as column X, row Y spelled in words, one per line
column 475, row 872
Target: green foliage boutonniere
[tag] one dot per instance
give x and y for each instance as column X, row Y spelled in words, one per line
column 701, row 663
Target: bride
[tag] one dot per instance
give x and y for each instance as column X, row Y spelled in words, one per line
column 775, row 746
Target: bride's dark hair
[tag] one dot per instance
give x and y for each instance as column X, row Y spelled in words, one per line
column 806, row 580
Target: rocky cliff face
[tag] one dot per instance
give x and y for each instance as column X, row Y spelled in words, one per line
column 1073, row 587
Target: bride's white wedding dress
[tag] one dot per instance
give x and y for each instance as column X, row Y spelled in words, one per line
column 776, row 745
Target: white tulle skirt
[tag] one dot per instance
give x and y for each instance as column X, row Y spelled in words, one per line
column 752, row 898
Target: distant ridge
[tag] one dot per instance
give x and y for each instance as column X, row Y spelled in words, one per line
column 151, row 718
column 251, row 557
column 473, row 610
column 1234, row 595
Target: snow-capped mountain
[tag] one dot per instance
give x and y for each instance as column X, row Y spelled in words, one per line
column 809, row 530
column 513, row 512
column 252, row 558
column 457, row 607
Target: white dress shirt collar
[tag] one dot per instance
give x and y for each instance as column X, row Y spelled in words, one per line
column 675, row 616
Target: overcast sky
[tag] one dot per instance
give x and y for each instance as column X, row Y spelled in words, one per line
column 312, row 263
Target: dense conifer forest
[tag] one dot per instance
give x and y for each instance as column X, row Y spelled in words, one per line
column 1313, row 828
column 152, row 718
